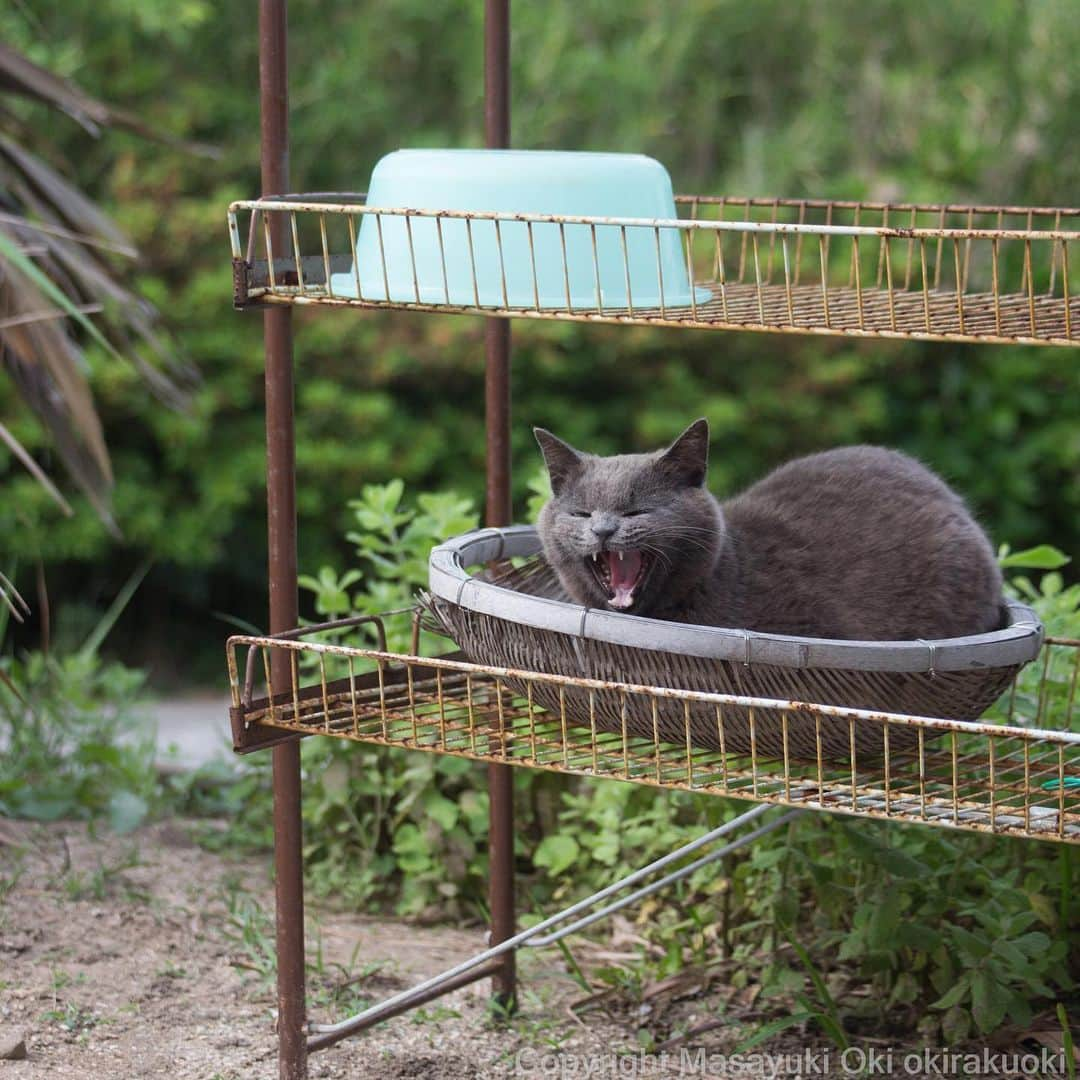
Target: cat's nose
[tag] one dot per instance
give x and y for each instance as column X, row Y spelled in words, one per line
column 604, row 526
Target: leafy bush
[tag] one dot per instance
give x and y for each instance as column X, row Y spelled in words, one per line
column 381, row 823
column 77, row 738
column 74, row 737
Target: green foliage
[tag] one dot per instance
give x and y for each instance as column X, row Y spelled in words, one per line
column 1056, row 603
column 75, row 737
column 384, row 824
column 1058, row 607
column 391, row 543
column 1043, row 557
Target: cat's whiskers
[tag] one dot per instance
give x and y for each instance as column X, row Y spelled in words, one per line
column 658, row 554
column 690, row 541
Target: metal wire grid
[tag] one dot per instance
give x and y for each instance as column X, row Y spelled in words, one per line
column 1019, row 778
column 963, row 273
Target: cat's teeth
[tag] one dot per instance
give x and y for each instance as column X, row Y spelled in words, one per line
column 620, row 556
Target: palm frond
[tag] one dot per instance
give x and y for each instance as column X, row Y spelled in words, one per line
column 12, row 599
column 34, row 469
column 20, row 75
column 59, row 285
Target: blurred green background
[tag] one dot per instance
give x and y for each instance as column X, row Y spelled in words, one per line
column 963, row 101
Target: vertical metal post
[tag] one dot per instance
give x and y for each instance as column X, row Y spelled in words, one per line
column 497, row 409
column 281, row 528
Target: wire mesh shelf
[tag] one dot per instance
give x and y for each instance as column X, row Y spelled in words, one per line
column 1018, row 777
column 804, row 266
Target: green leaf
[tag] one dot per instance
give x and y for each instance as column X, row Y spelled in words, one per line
column 101, row 631
column 441, row 810
column 956, row 1026
column 10, row 251
column 829, row 1018
column 1067, row 1041
column 886, row 917
column 989, row 1000
column 955, row 995
column 1020, row 1009
column 971, row 946
column 774, row 1027
column 556, row 852
column 1033, row 944
column 127, row 811
column 918, row 936
column 408, row 839
column 1011, row 955
column 906, row 990
column 412, row 850
column 604, row 847
column 1043, row 557
column 1044, row 908
column 44, row 807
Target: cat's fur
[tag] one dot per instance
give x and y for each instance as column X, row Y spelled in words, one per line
column 858, row 543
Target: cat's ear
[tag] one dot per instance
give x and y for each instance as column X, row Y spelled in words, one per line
column 562, row 460
column 687, row 459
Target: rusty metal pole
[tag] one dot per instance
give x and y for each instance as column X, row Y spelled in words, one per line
column 497, row 409
column 281, row 529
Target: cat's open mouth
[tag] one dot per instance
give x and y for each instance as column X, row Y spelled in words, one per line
column 620, row 573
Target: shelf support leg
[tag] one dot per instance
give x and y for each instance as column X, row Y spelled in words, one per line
column 497, row 411
column 281, row 535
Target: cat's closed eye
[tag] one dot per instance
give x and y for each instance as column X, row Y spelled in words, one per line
column 634, row 513
column 581, row 513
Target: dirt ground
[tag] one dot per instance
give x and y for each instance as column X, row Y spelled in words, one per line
column 148, row 956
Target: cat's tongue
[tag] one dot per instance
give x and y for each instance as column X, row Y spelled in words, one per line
column 625, row 569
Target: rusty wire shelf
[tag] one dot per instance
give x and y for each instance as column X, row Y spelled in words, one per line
column 804, row 266
column 1018, row 778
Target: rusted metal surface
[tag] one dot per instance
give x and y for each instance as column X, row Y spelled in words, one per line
column 281, row 533
column 872, row 205
column 256, row 275
column 299, row 204
column 324, row 1038
column 240, row 283
column 497, row 73
column 481, row 964
column 1017, row 778
column 929, row 271
column 498, row 509
column 247, row 737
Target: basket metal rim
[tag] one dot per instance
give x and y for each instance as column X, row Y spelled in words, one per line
column 449, row 579
column 293, row 203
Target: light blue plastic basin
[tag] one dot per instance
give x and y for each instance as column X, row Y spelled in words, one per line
column 520, row 181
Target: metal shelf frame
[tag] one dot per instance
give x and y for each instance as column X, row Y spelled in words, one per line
column 991, row 274
column 1016, row 777
column 944, row 273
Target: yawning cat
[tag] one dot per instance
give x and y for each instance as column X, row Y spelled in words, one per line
column 859, row 543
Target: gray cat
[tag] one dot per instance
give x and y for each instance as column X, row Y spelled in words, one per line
column 858, row 542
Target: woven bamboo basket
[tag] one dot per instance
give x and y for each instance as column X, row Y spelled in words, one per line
column 515, row 614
